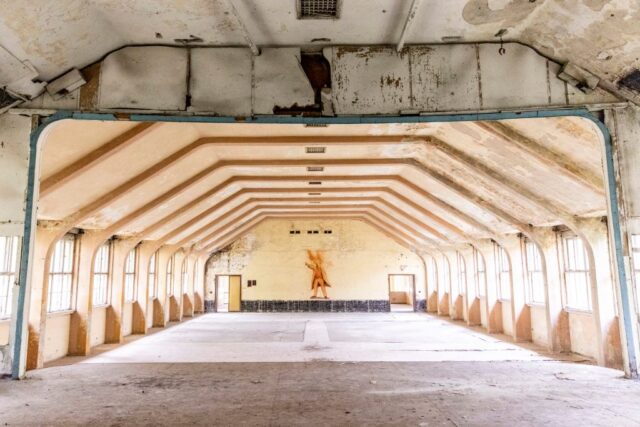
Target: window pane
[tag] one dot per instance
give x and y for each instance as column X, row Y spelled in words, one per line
column 8, row 272
column 61, row 275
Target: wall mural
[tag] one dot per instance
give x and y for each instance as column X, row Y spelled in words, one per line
column 319, row 279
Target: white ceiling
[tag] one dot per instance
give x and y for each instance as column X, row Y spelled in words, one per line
column 54, row 36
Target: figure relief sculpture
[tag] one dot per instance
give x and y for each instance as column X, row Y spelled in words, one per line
column 319, row 279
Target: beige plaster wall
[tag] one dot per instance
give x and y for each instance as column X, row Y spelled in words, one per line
column 358, row 260
column 583, row 331
column 98, row 325
column 5, row 325
column 56, row 343
column 127, row 318
column 539, row 325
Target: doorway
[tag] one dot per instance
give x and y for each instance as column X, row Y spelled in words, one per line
column 228, row 293
column 402, row 292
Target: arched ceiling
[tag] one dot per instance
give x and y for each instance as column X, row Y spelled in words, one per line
column 430, row 185
column 599, row 35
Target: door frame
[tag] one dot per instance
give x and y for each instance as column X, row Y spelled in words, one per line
column 413, row 283
column 215, row 306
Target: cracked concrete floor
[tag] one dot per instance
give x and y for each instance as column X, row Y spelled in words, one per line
column 329, row 384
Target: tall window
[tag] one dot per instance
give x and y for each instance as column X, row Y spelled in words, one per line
column 151, row 276
column 101, row 275
column 433, row 274
column 635, row 251
column 61, row 275
column 446, row 274
column 481, row 273
column 170, row 275
column 195, row 275
column 503, row 273
column 130, row 276
column 185, row 276
column 535, row 278
column 8, row 272
column 576, row 273
column 462, row 274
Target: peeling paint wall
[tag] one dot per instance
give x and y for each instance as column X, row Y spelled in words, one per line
column 358, row 260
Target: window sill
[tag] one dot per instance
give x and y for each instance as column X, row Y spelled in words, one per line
column 578, row 311
column 60, row 313
column 536, row 304
column 101, row 306
column 5, row 319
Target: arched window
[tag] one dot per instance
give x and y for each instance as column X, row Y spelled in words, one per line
column 184, row 276
column 101, row 275
column 130, row 276
column 576, row 273
column 151, row 276
column 433, row 274
column 170, row 265
column 503, row 273
column 61, row 274
column 462, row 274
column 9, row 247
column 446, row 274
column 195, row 279
column 481, row 273
column 535, row 277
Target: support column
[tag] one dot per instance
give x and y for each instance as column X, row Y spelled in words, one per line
column 596, row 232
column 45, row 238
column 520, row 313
column 121, row 249
column 558, row 331
column 493, row 306
column 80, row 328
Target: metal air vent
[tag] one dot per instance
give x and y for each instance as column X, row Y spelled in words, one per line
column 315, row 168
column 315, row 150
column 318, row 9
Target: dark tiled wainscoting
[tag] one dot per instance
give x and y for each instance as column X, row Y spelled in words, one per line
column 330, row 306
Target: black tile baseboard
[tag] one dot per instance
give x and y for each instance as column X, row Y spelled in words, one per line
column 315, row 305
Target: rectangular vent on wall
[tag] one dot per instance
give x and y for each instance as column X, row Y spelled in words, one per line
column 315, row 182
column 314, row 194
column 294, row 231
column 318, row 9
column 328, row 231
column 315, row 168
column 315, row 150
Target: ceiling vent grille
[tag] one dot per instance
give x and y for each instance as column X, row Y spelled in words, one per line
column 318, row 9
column 315, row 168
column 315, row 150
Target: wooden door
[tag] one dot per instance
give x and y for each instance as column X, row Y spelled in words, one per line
column 234, row 293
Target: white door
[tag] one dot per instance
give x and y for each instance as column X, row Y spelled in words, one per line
column 222, row 294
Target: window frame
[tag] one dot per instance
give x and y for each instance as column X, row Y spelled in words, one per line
column 103, row 276
column 462, row 273
column 446, row 274
column 131, row 277
column 634, row 249
column 565, row 237
column 69, row 249
column 9, row 273
column 184, row 274
column 481, row 286
column 152, row 276
column 169, row 275
column 501, row 261
column 529, row 248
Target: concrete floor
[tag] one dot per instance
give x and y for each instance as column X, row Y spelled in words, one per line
column 320, row 369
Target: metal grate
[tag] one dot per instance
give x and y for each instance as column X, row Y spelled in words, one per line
column 318, row 9
column 315, row 150
column 315, row 182
column 315, row 168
